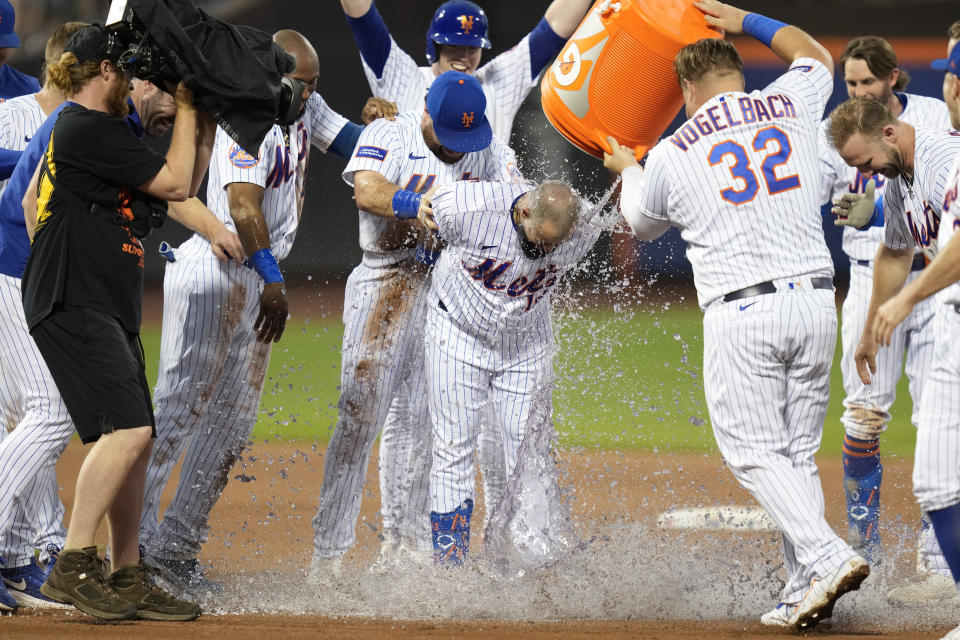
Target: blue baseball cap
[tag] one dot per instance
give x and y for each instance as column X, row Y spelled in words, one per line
column 951, row 64
column 457, row 106
column 7, row 19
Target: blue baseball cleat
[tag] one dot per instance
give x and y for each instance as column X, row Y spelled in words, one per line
column 863, row 513
column 23, row 586
column 451, row 534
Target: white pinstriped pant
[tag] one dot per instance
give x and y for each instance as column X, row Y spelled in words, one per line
column 208, row 390
column 31, row 513
column 913, row 337
column 383, row 314
column 936, row 467
column 512, row 370
column 766, row 366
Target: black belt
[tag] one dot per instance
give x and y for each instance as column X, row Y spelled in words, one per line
column 769, row 287
column 919, row 262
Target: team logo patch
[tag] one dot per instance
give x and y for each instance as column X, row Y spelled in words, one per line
column 371, row 152
column 467, row 119
column 466, row 23
column 242, row 159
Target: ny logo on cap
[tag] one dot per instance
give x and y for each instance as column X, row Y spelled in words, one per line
column 466, row 23
column 467, row 119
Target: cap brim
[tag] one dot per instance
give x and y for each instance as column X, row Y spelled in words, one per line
column 476, row 139
column 941, row 64
column 9, row 40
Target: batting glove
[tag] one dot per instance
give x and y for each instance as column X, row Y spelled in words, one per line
column 854, row 209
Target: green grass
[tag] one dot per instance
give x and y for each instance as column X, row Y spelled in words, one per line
column 628, row 378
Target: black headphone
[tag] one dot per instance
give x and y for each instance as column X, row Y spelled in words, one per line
column 291, row 100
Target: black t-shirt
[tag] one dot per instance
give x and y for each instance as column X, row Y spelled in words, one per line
column 78, row 259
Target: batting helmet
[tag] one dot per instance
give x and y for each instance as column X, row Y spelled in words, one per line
column 457, row 22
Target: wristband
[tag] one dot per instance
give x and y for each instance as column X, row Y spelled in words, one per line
column 425, row 256
column 761, row 27
column 406, row 204
column 265, row 264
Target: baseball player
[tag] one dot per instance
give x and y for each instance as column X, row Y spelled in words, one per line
column 219, row 320
column 916, row 162
column 936, row 471
column 456, row 36
column 870, row 69
column 384, row 300
column 738, row 179
column 37, row 520
column 28, row 455
column 489, row 337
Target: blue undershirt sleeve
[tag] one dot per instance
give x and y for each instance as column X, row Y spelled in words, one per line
column 545, row 44
column 346, row 141
column 373, row 39
column 8, row 160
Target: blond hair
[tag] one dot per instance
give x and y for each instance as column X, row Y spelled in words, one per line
column 68, row 75
column 862, row 115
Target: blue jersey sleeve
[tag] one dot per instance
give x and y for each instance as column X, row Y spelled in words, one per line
column 545, row 44
column 8, row 160
column 373, row 38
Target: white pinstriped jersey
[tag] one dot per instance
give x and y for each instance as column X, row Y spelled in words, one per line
column 506, row 81
column 483, row 278
column 397, row 151
column 838, row 178
column 740, row 180
column 912, row 211
column 279, row 170
column 950, row 224
column 19, row 118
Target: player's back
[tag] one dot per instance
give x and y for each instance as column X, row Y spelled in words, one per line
column 740, row 180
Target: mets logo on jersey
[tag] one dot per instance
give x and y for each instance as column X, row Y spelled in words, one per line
column 466, row 23
column 240, row 158
column 467, row 119
column 926, row 233
column 489, row 274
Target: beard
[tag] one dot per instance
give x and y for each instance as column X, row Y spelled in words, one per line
column 530, row 249
column 894, row 165
column 117, row 96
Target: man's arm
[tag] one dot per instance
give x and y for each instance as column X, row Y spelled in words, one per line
column 890, row 270
column 355, row 8
column 206, row 133
column 30, row 203
column 195, row 216
column 623, row 162
column 377, row 195
column 173, row 181
column 246, row 200
column 787, row 41
column 563, row 16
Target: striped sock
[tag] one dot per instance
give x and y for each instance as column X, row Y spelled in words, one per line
column 860, row 457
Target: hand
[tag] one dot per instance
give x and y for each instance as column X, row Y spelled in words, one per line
column 853, row 209
column 619, row 158
column 183, row 96
column 225, row 244
column 273, row 313
column 890, row 314
column 378, row 108
column 425, row 214
column 866, row 355
column 722, row 17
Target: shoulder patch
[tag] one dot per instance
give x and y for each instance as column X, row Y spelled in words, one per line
column 806, row 68
column 240, row 158
column 367, row 151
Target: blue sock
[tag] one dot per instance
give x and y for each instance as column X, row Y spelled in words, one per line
column 451, row 534
column 860, row 457
column 946, row 524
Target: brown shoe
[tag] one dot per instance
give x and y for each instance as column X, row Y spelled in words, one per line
column 135, row 585
column 78, row 579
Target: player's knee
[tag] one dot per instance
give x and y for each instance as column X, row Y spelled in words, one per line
column 865, row 423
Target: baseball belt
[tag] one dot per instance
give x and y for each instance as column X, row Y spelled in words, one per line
column 768, row 287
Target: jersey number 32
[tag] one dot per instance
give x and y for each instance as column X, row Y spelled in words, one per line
column 775, row 143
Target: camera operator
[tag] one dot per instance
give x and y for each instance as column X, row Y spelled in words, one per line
column 96, row 192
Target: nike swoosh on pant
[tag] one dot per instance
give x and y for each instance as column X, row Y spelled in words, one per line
column 19, row 586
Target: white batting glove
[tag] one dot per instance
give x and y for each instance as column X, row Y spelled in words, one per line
column 854, row 209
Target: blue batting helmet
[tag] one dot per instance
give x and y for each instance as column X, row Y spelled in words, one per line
column 457, row 22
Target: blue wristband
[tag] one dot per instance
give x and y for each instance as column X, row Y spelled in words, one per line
column 265, row 264
column 761, row 27
column 425, row 256
column 406, row 204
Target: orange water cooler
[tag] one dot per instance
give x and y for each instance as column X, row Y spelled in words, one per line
column 615, row 75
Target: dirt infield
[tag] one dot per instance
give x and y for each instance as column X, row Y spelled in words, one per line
column 634, row 580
